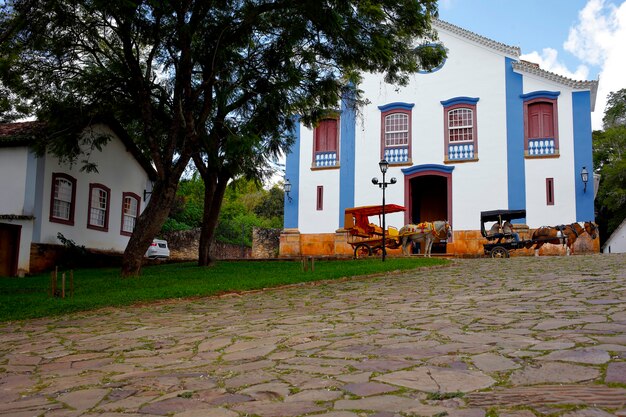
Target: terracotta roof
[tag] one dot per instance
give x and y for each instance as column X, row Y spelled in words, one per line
column 19, row 134
column 513, row 51
column 23, row 134
column 533, row 69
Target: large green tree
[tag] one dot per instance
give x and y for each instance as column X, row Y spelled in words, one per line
column 216, row 81
column 609, row 151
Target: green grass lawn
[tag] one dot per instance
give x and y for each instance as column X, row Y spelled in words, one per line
column 23, row 298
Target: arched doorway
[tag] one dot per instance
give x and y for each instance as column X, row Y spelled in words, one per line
column 428, row 196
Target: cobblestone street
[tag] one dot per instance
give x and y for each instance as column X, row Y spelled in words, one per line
column 511, row 337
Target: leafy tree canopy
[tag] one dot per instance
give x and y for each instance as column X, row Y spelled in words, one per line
column 609, row 152
column 219, row 81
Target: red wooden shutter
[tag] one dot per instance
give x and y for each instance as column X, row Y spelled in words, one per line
column 540, row 121
column 326, row 136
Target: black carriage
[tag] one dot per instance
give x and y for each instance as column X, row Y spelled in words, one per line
column 501, row 243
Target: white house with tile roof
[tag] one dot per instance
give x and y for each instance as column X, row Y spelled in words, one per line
column 484, row 131
column 42, row 197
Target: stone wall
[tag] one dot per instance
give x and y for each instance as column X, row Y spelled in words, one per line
column 44, row 257
column 183, row 246
column 465, row 243
column 265, row 243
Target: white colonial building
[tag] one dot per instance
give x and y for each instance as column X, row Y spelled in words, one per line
column 484, row 131
column 42, row 197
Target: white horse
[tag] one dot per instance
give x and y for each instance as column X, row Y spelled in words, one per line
column 427, row 232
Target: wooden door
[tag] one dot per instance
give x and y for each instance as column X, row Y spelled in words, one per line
column 9, row 247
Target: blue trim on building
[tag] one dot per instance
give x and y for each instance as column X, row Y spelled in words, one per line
column 540, row 94
column 292, row 173
column 516, row 169
column 459, row 100
column 427, row 167
column 347, row 153
column 394, row 106
column 437, row 68
column 39, row 192
column 30, row 190
column 583, row 154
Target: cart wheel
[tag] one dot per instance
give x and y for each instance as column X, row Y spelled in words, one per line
column 499, row 252
column 362, row 250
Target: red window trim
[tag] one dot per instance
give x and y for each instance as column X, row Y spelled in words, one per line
column 136, row 197
column 103, row 187
column 389, row 112
column 315, row 134
column 555, row 120
column 550, row 191
column 70, row 221
column 446, row 133
column 320, row 197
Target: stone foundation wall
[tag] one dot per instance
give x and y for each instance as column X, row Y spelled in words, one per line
column 45, row 257
column 184, row 244
column 465, row 243
column 265, row 243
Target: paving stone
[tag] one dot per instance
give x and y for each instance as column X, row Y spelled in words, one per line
column 315, row 396
column 269, row 391
column 616, row 373
column 207, row 412
column 379, row 403
column 433, row 379
column 369, row 388
column 590, row 356
column 579, row 394
column 276, row 409
column 429, row 323
column 552, row 345
column 467, row 412
column 488, row 362
column 588, row 412
column 553, row 372
column 516, row 413
column 83, row 399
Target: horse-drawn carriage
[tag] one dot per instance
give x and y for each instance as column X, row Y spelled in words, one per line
column 503, row 239
column 366, row 237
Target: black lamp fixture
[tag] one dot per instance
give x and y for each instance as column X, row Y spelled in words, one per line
column 287, row 187
column 384, row 166
column 584, row 175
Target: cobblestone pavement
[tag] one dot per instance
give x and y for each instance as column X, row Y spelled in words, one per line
column 511, row 337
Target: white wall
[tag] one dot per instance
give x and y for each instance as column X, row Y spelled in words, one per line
column 472, row 71
column 119, row 171
column 538, row 213
column 311, row 220
column 617, row 241
column 13, row 172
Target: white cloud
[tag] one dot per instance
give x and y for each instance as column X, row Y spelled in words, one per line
column 599, row 38
column 548, row 60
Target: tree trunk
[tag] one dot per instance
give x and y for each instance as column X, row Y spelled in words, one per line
column 148, row 225
column 214, row 189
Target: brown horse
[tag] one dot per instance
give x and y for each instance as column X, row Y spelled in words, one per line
column 562, row 235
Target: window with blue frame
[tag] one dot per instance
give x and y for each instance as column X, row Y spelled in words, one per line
column 396, row 133
column 460, row 129
column 541, row 127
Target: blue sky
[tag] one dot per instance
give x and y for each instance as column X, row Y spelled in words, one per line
column 580, row 39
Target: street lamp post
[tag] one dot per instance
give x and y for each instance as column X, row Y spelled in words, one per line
column 384, row 165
